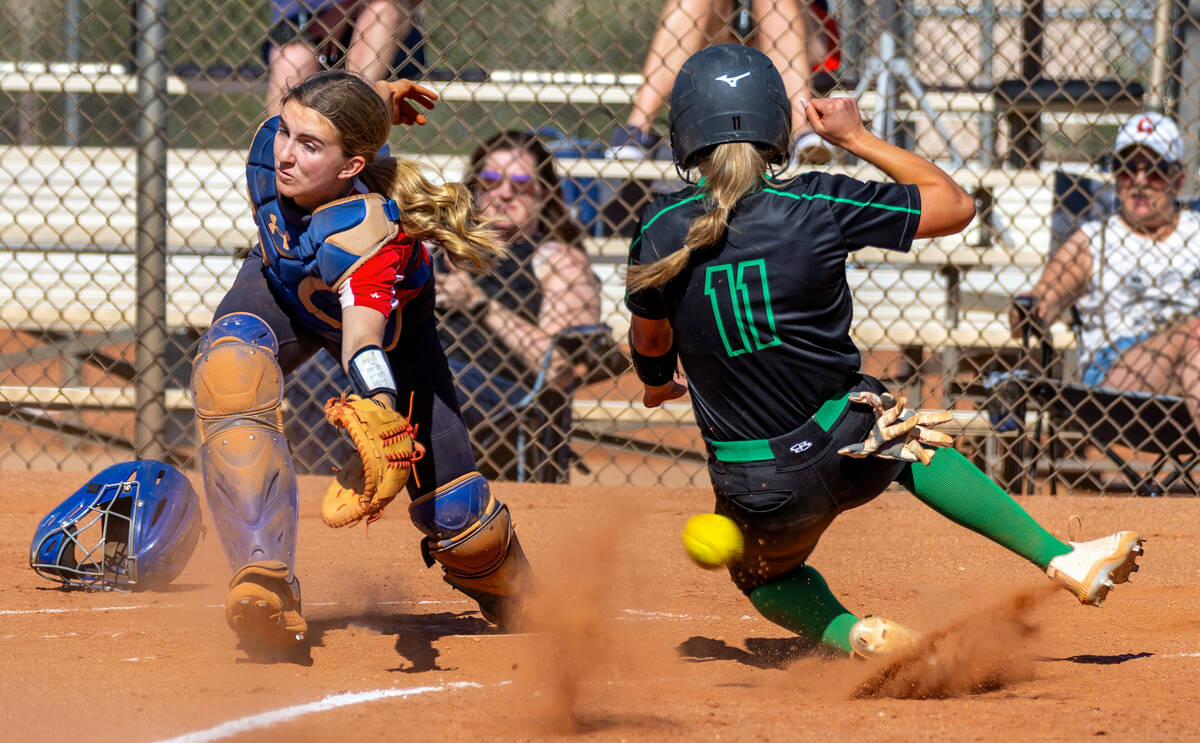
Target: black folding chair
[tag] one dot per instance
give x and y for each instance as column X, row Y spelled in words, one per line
column 544, row 452
column 1158, row 425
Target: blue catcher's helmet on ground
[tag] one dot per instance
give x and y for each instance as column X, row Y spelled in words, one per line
column 729, row 93
column 132, row 527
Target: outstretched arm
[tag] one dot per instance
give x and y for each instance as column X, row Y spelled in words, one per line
column 363, row 327
column 945, row 207
column 1062, row 282
column 397, row 94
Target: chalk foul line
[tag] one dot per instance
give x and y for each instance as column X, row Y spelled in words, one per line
column 334, row 701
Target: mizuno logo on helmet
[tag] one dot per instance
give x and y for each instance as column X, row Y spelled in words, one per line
column 732, row 81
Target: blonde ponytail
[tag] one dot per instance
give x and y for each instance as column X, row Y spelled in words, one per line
column 727, row 173
column 445, row 214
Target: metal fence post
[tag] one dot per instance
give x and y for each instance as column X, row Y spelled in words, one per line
column 1189, row 76
column 74, row 55
column 151, row 323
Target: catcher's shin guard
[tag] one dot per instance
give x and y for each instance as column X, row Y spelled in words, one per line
column 470, row 534
column 237, row 388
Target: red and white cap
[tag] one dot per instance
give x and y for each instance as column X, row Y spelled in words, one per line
column 1154, row 132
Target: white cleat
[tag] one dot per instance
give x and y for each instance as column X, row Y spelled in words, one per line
column 1091, row 569
column 876, row 637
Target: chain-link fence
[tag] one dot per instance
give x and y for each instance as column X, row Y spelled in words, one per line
column 124, row 218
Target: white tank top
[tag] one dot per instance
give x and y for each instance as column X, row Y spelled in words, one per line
column 1138, row 285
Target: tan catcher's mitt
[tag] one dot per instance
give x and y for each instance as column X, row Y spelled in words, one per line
column 386, row 452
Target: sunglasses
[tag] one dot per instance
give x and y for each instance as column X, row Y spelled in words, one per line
column 521, row 183
column 1157, row 171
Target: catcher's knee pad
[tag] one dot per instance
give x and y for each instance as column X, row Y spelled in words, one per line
column 237, row 388
column 471, row 535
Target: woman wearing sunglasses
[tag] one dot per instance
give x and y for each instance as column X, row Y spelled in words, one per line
column 497, row 327
column 1135, row 276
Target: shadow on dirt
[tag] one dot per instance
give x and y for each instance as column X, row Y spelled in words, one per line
column 170, row 588
column 1103, row 660
column 761, row 652
column 416, row 634
column 643, row 724
column 268, row 656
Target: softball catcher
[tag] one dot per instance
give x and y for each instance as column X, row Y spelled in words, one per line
column 341, row 265
column 741, row 278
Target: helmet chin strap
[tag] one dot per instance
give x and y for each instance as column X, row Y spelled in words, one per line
column 683, row 173
column 774, row 168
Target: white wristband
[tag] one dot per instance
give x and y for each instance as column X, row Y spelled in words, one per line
column 370, row 373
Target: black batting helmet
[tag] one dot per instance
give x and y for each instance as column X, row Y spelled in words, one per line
column 729, row 93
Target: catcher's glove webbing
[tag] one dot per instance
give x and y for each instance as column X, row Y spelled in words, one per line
column 386, row 452
column 899, row 432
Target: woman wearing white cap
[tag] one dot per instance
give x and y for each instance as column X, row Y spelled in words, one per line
column 1135, row 276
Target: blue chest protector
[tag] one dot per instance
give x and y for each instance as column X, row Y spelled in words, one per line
column 308, row 257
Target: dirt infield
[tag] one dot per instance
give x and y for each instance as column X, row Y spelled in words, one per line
column 637, row 644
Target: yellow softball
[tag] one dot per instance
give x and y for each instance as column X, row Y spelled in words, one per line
column 712, row 540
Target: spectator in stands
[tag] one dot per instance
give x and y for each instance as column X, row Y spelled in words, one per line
column 374, row 39
column 1134, row 277
column 497, row 327
column 799, row 36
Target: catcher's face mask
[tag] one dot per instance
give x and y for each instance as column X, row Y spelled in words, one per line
column 132, row 526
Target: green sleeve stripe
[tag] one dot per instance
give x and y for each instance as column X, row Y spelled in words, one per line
column 664, row 210
column 637, row 238
column 827, row 197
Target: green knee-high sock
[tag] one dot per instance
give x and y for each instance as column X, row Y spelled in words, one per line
column 955, row 488
column 802, row 603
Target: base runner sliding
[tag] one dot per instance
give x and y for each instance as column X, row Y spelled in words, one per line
column 741, row 277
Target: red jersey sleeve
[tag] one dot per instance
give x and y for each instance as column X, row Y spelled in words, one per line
column 376, row 283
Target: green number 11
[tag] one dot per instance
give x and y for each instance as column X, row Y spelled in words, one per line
column 740, row 298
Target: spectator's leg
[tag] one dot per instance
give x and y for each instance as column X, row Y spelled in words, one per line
column 378, row 30
column 782, row 33
column 289, row 64
column 1187, row 371
column 1167, row 363
column 684, row 28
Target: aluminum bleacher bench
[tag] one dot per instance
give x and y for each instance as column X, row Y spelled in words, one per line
column 74, row 77
column 580, row 88
column 67, row 226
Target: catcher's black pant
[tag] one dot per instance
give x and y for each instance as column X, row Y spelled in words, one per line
column 784, row 504
column 418, row 364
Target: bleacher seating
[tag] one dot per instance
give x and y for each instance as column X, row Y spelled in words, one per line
column 70, row 227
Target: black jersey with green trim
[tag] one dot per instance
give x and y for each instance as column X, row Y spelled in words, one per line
column 762, row 318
